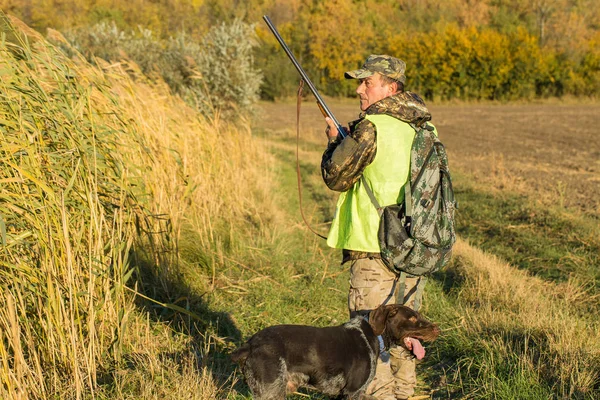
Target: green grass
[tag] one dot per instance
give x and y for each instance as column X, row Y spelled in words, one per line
column 268, row 270
column 553, row 244
column 498, row 361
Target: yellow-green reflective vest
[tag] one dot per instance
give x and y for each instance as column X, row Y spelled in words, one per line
column 356, row 220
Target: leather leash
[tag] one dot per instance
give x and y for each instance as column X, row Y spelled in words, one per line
column 298, row 104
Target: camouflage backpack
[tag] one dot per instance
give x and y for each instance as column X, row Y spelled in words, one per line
column 416, row 237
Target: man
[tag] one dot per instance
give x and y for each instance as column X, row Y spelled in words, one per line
column 377, row 148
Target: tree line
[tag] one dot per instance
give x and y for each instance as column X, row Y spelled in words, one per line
column 497, row 50
column 487, row 49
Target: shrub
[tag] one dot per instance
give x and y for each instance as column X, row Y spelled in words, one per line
column 216, row 74
column 226, row 65
column 102, row 40
column 280, row 77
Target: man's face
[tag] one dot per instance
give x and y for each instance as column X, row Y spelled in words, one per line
column 373, row 89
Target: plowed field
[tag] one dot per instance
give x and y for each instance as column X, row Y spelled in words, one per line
column 550, row 150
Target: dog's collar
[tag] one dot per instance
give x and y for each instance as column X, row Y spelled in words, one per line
column 382, row 348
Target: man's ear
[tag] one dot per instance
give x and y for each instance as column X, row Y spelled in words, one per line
column 393, row 87
column 378, row 317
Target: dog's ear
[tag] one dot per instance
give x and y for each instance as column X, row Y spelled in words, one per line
column 378, row 317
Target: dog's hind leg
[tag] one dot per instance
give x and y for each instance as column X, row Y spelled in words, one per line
column 266, row 377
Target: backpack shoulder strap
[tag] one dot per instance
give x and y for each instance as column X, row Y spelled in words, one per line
column 407, row 186
column 371, row 195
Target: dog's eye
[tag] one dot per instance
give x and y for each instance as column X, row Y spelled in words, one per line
column 413, row 319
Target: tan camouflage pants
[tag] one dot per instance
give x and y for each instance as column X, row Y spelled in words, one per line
column 370, row 284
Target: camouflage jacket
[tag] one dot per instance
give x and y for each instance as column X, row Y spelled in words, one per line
column 344, row 160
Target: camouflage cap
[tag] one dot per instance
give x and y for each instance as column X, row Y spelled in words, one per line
column 386, row 65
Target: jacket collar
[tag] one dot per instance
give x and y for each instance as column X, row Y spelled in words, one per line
column 406, row 106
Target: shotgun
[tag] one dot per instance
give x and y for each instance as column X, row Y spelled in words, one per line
column 320, row 102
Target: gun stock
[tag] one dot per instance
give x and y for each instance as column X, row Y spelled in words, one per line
column 321, row 103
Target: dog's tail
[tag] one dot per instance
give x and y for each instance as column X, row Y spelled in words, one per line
column 239, row 355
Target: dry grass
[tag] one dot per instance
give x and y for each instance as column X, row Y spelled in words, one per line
column 516, row 317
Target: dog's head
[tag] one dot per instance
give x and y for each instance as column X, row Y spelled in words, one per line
column 404, row 327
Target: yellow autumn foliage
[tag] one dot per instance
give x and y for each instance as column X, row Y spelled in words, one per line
column 453, row 49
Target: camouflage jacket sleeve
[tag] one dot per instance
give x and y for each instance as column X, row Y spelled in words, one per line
column 345, row 159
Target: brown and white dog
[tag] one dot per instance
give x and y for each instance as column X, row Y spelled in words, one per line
column 337, row 361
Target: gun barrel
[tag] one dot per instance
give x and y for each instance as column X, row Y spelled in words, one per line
column 304, row 76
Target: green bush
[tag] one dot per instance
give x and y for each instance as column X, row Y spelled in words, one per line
column 103, row 40
column 216, row 74
column 280, row 76
column 226, row 64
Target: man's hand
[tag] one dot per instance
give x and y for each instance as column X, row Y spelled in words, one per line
column 331, row 130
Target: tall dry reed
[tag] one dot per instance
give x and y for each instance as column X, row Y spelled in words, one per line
column 99, row 172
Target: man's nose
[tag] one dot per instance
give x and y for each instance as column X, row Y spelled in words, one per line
column 360, row 88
